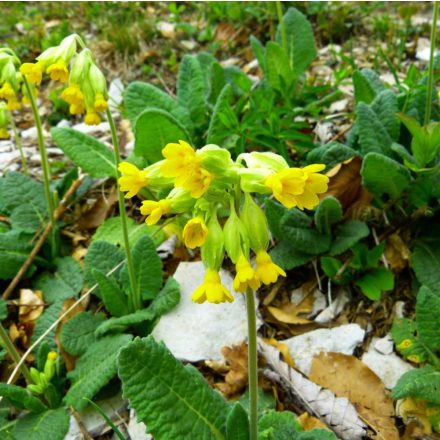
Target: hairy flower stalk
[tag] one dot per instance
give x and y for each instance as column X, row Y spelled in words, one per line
column 208, row 189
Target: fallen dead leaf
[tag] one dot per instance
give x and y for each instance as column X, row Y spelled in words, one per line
column 349, row 377
column 289, row 313
column 237, row 376
column 31, row 305
column 20, row 334
column 414, row 410
column 309, row 422
column 283, row 348
column 397, row 252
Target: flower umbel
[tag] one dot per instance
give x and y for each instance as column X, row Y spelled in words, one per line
column 133, row 179
column 212, row 290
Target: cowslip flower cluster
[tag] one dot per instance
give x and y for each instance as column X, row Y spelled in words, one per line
column 86, row 91
column 10, row 79
column 216, row 197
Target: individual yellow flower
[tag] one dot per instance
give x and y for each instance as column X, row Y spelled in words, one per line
column 246, row 276
column 314, row 184
column 286, row 185
column 4, row 133
column 73, row 95
column 212, row 290
column 198, row 182
column 181, row 160
column 7, row 92
column 195, row 233
column 155, row 210
column 13, row 104
column 52, row 355
column 33, row 72
column 267, row 271
column 133, row 179
column 76, row 109
column 58, row 71
column 101, row 104
column 92, row 118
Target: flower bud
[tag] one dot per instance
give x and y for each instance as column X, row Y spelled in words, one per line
column 256, row 224
column 236, row 237
column 81, row 66
column 213, row 250
column 268, row 161
column 97, row 80
column 215, row 159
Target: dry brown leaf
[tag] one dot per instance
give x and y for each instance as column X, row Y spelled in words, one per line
column 99, row 211
column 226, row 34
column 289, row 313
column 397, row 252
column 349, row 377
column 346, row 185
column 21, row 334
column 283, row 348
column 31, row 305
column 309, row 422
column 414, row 410
column 237, row 376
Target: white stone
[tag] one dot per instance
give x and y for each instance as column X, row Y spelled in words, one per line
column 333, row 310
column 30, row 133
column 64, row 123
column 388, row 367
column 136, row 430
column 115, row 91
column 189, row 44
column 319, row 300
column 338, row 106
column 195, row 332
column 384, row 345
column 103, row 127
column 343, row 339
column 168, row 30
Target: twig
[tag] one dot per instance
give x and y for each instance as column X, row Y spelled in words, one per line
column 38, row 245
column 82, row 428
column 340, row 134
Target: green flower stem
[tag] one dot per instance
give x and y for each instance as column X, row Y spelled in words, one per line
column 252, row 364
column 136, row 300
column 9, row 346
column 431, row 65
column 19, row 145
column 281, row 22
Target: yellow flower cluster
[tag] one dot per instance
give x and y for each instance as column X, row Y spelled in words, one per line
column 86, row 91
column 208, row 185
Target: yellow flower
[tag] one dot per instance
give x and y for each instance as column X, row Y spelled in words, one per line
column 246, row 276
column 7, row 92
column 76, row 109
column 198, row 182
column 286, row 185
column 315, row 183
column 33, row 72
column 4, row 133
column 180, row 161
column 267, row 271
column 52, row 355
column 195, row 233
column 155, row 210
column 73, row 95
column 101, row 104
column 58, row 71
column 212, row 290
column 92, row 118
column 133, row 179
column 13, row 104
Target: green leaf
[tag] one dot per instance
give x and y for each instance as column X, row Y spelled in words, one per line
column 52, row 424
column 223, row 118
column 300, row 42
column 281, row 425
column 330, row 266
column 385, row 107
column 191, row 90
column 328, row 212
column 94, row 369
column 21, row 398
column 78, row 333
column 274, row 213
column 237, row 423
column 373, row 136
column 331, row 154
column 279, row 72
column 375, row 281
column 427, row 313
column 65, row 283
column 114, row 299
column 166, row 300
column 404, row 333
column 14, row 250
column 382, row 175
column 111, row 232
column 147, row 267
column 3, row 309
column 259, row 52
column 172, row 400
column 363, row 91
column 421, row 383
column 27, row 218
column 317, row 434
column 88, row 153
column 153, row 130
column 286, row 256
column 140, row 96
column 347, row 235
column 104, row 257
column 373, row 79
column 426, row 264
column 49, row 316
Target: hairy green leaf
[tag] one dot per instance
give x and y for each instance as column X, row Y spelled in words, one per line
column 281, row 425
column 279, row 72
column 286, row 256
column 426, row 264
column 172, row 400
column 153, row 130
column 385, row 107
column 87, row 152
column 28, row 218
column 78, row 333
column 331, row 154
column 237, row 423
column 328, row 212
column 347, row 235
column 21, row 398
column 259, row 52
column 114, row 299
column 223, row 118
column 94, row 369
column 363, row 91
column 404, row 333
column 306, row 240
column 427, row 313
column 49, row 316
